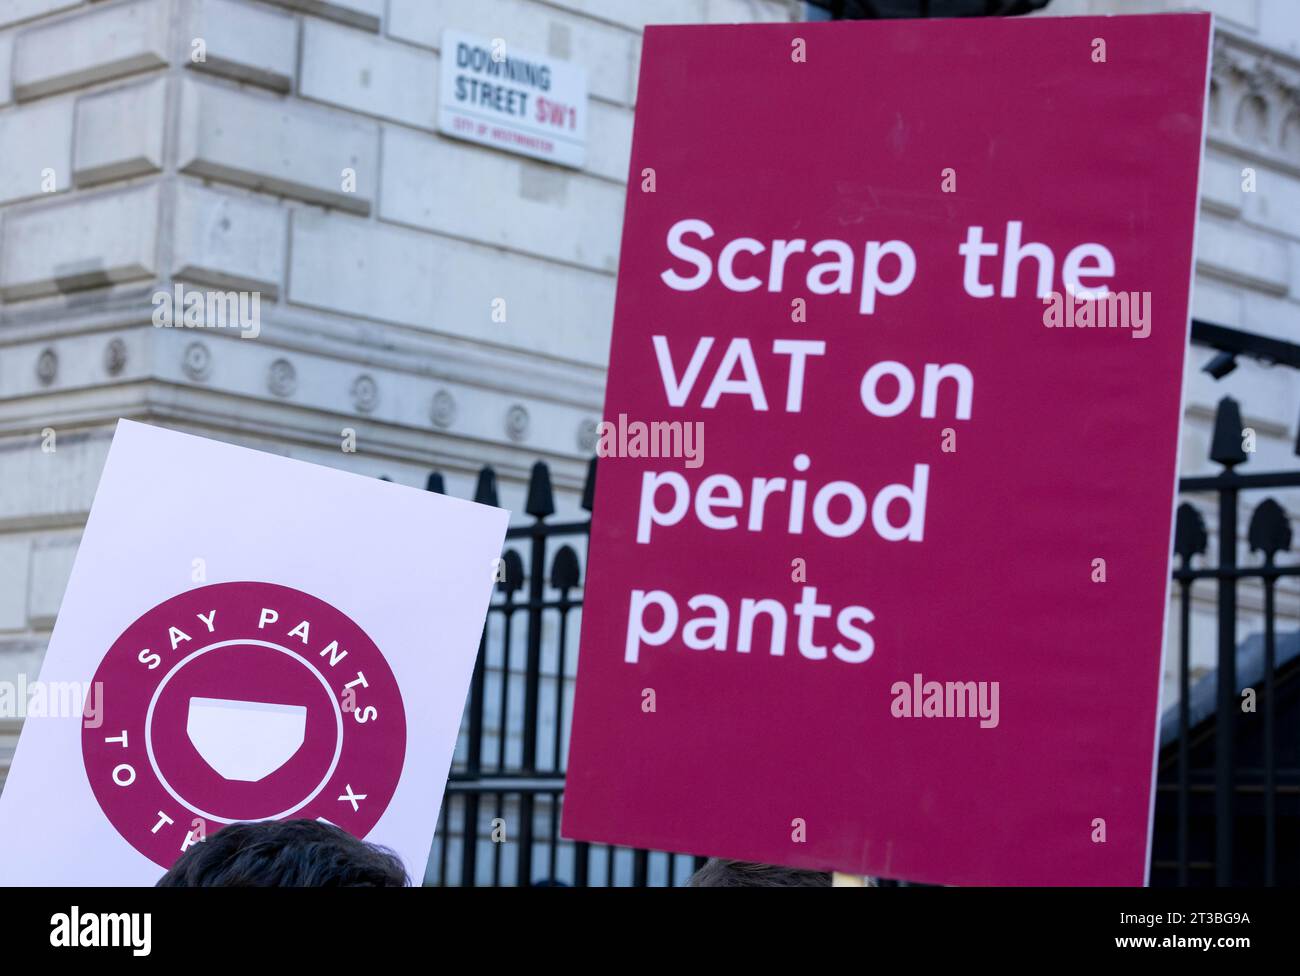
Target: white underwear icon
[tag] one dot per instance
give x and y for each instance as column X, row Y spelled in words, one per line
column 245, row 740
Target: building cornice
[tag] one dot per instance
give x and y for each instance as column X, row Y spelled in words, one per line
column 1254, row 107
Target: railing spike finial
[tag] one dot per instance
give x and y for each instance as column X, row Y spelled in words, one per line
column 513, row 564
column 1226, row 447
column 565, row 571
column 589, row 487
column 485, row 492
column 1270, row 530
column 435, row 483
column 1190, row 537
column 541, row 500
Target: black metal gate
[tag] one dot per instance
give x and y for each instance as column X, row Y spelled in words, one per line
column 1228, row 778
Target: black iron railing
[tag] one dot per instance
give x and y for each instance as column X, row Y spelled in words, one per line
column 507, row 782
column 1203, row 761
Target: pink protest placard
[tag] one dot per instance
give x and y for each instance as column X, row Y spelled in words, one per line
column 879, row 568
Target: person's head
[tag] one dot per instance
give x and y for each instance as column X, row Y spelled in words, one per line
column 285, row 854
column 720, row 873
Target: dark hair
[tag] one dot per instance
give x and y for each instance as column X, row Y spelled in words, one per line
column 285, row 854
column 720, row 873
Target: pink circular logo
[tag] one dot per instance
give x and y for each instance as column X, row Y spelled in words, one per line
column 242, row 701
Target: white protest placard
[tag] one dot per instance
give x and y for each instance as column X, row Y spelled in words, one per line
column 253, row 638
column 494, row 94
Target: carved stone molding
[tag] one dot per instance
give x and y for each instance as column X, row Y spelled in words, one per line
column 47, row 366
column 588, row 435
column 443, row 410
column 282, row 378
column 517, row 421
column 365, row 393
column 1255, row 98
column 115, row 357
column 196, row 361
